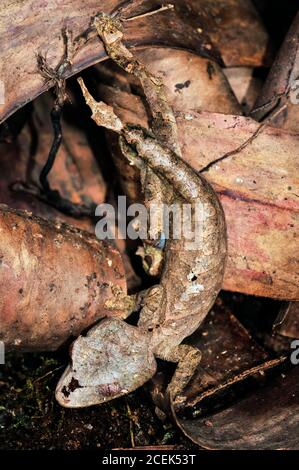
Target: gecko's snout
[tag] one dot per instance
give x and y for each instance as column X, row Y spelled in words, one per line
column 113, row 359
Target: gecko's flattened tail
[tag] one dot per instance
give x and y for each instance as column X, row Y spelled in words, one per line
column 113, row 359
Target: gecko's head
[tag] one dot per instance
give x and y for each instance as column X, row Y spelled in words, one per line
column 113, row 359
column 109, row 29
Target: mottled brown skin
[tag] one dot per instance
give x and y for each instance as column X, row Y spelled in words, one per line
column 163, row 121
column 190, row 282
column 192, row 276
column 55, row 281
column 186, row 266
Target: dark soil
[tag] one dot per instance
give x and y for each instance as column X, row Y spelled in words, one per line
column 30, row 418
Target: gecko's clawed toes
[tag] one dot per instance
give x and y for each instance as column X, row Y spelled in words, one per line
column 113, row 359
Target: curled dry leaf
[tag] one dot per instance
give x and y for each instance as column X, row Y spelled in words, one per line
column 258, row 189
column 55, row 281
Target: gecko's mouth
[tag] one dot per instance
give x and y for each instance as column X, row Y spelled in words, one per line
column 113, row 359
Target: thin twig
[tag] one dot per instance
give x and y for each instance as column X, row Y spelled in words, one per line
column 169, row 6
column 57, row 138
column 51, row 372
column 131, row 424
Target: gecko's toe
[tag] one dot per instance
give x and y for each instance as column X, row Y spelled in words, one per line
column 113, row 359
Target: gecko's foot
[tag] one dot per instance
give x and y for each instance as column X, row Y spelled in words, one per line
column 178, row 402
column 113, row 359
column 55, row 75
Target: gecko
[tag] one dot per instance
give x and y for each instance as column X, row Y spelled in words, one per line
column 115, row 357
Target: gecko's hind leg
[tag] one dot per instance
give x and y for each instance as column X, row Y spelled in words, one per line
column 188, row 359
